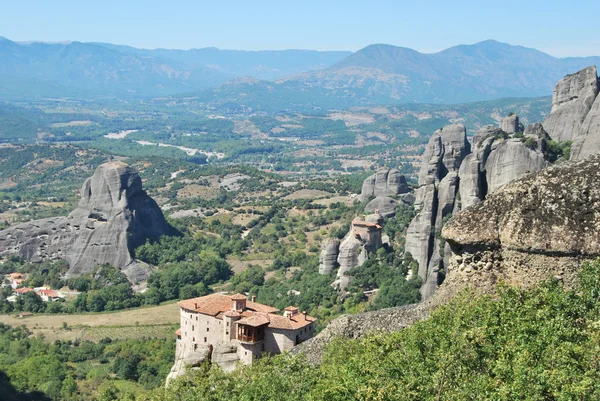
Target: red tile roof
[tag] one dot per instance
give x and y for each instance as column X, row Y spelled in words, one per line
column 295, row 322
column 254, row 315
column 214, row 304
column 16, row 275
column 257, row 319
column 48, row 293
column 178, row 332
column 23, row 290
column 238, row 297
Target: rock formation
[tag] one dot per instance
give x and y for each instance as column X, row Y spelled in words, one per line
column 364, row 237
column 511, row 124
column 572, row 100
column 330, row 249
column 384, row 183
column 435, row 199
column 540, row 226
column 114, row 216
column 587, row 141
column 455, row 176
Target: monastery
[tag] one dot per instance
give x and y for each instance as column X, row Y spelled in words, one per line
column 233, row 320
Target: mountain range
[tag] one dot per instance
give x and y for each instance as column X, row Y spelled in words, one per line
column 376, row 74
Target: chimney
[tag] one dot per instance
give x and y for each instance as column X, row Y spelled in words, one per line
column 253, row 298
column 195, row 305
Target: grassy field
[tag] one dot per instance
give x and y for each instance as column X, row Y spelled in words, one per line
column 157, row 321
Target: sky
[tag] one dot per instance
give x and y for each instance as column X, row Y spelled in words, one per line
column 560, row 28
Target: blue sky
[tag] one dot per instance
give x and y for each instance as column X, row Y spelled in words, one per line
column 561, row 28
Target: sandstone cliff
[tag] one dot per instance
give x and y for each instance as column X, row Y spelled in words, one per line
column 114, row 216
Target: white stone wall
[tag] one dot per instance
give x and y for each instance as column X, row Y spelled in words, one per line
column 197, row 328
column 277, row 341
column 248, row 352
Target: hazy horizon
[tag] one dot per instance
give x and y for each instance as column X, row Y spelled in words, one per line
column 549, row 26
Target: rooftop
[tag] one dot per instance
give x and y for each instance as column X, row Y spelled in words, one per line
column 214, row 304
column 254, row 315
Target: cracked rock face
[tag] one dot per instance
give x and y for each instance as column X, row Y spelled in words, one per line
column 572, row 100
column 435, row 199
column 330, row 249
column 114, row 216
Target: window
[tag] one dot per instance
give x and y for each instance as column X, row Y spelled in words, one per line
column 207, row 329
column 207, row 322
column 192, row 327
column 196, row 318
column 246, row 353
column 227, row 332
column 204, row 339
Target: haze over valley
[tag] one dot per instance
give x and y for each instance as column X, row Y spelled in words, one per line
column 185, row 217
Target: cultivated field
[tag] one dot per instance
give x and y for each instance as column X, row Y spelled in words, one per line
column 156, row 321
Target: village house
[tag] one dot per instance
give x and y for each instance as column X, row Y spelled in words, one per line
column 16, row 279
column 48, row 295
column 253, row 328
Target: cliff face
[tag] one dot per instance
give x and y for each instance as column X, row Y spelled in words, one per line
column 435, row 199
column 114, row 216
column 384, row 183
column 572, row 100
column 455, row 175
column 537, row 227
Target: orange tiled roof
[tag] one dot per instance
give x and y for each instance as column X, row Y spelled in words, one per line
column 48, row 293
column 295, row 322
column 214, row 304
column 178, row 332
column 361, row 223
column 24, row 290
column 16, row 275
column 257, row 319
column 238, row 297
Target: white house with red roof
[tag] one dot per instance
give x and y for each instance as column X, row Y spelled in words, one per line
column 253, row 328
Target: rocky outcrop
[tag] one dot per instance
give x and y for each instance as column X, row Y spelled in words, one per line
column 352, row 254
column 330, row 249
column 572, row 100
column 435, row 199
column 511, row 124
column 384, row 183
column 495, row 158
column 114, row 216
column 537, row 227
column 587, row 141
column 193, row 360
column 383, row 205
column 356, row 326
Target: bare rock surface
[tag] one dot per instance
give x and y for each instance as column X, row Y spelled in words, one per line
column 435, row 198
column 540, row 226
column 330, row 249
column 383, row 205
column 511, row 124
column 587, row 141
column 356, row 326
column 384, row 183
column 114, row 216
column 572, row 100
